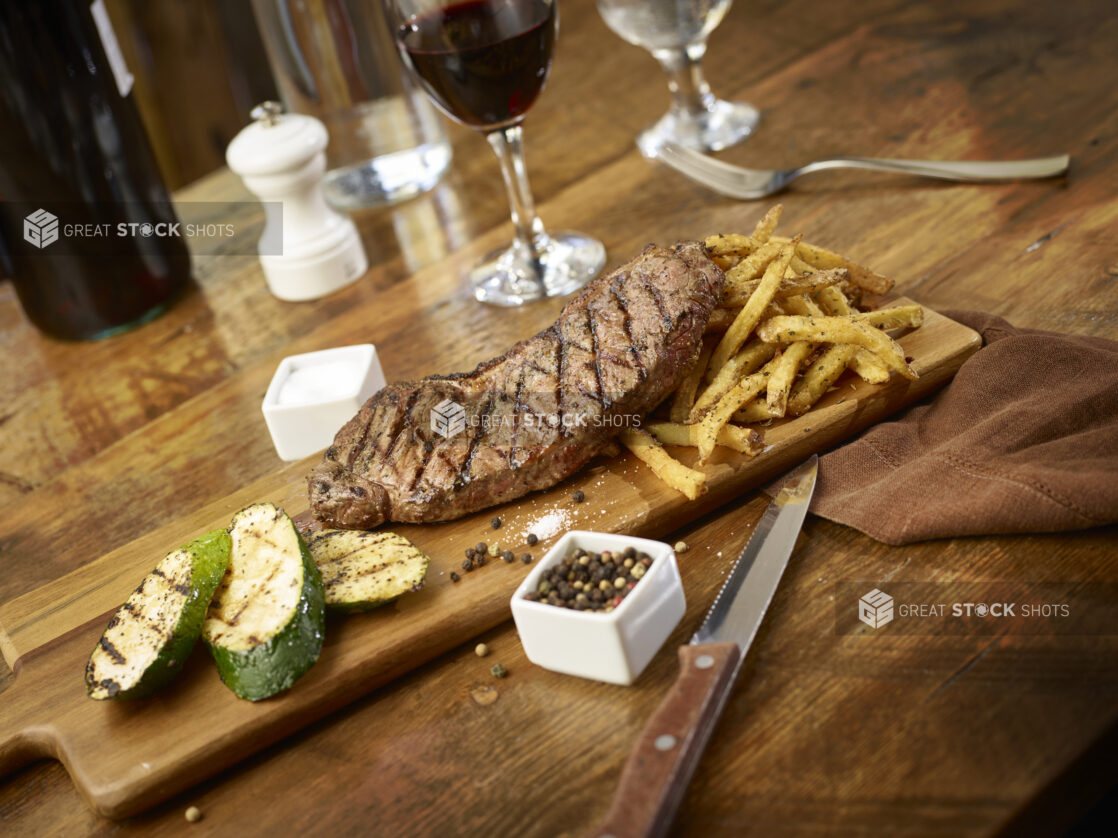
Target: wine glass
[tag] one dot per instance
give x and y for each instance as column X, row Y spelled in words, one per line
column 675, row 32
column 483, row 63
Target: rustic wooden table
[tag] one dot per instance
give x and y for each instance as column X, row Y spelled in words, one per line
column 825, row 734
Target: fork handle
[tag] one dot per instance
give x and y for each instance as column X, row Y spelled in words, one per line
column 1038, row 167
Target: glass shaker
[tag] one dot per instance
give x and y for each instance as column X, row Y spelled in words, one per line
column 337, row 61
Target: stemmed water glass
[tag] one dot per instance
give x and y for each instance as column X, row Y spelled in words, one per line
column 675, row 32
column 483, row 63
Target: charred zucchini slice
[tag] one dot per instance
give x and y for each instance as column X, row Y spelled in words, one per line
column 363, row 570
column 149, row 637
column 265, row 624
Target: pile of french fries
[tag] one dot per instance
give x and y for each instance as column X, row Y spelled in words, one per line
column 787, row 327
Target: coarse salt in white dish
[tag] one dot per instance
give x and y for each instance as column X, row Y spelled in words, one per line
column 312, row 395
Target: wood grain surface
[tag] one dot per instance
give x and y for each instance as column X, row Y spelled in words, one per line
column 825, row 733
column 124, row 757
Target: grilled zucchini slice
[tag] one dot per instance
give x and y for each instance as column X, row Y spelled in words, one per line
column 265, row 624
column 364, row 570
column 149, row 637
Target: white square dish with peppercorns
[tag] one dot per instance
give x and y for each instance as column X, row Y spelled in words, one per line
column 599, row 605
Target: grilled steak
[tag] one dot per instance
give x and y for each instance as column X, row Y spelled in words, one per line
column 445, row 446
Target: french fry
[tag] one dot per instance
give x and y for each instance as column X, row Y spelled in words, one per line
column 790, row 286
column 684, row 397
column 869, row 367
column 755, row 410
column 793, row 328
column 833, row 301
column 746, row 361
column 648, row 450
column 753, row 265
column 818, row 378
column 803, row 306
column 767, row 224
column 863, row 362
column 744, row 440
column 727, row 250
column 820, row 257
column 751, row 312
column 720, row 414
column 801, row 267
column 910, row 317
column 784, row 373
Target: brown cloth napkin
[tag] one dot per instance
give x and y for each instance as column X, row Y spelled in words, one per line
column 1024, row 439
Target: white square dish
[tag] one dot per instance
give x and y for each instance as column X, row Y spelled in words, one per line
column 312, row 395
column 614, row 647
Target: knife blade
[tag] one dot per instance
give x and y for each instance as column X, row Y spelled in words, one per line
column 668, row 750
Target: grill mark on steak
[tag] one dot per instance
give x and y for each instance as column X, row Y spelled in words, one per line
column 516, row 409
column 463, row 475
column 616, row 349
column 428, row 447
column 654, row 292
column 560, row 364
column 402, row 425
column 627, row 323
column 602, row 398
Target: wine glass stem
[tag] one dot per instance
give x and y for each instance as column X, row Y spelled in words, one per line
column 691, row 94
column 507, row 144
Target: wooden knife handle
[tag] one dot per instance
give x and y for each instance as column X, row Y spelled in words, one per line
column 667, row 751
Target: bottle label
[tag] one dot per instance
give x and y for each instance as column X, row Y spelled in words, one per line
column 104, row 26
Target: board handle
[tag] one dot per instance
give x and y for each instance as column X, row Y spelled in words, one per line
column 24, row 733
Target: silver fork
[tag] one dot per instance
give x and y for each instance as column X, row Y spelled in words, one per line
column 749, row 184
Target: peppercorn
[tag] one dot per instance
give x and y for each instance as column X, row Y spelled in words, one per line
column 495, row 523
column 454, row 577
column 481, row 650
column 480, row 560
column 630, row 553
column 533, row 539
column 499, row 671
column 468, row 565
column 193, row 814
column 526, row 558
column 682, row 547
column 481, row 547
column 508, row 556
column 578, row 496
column 470, row 552
column 619, row 582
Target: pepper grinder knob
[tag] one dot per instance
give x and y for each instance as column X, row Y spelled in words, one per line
column 267, row 112
column 308, row 250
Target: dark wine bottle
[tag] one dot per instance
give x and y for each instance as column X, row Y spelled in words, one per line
column 87, row 230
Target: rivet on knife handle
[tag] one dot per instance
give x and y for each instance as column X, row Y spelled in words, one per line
column 667, row 751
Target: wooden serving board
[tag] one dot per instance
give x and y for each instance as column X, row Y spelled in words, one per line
column 125, row 756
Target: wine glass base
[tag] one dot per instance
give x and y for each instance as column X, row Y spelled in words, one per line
column 720, row 126
column 511, row 277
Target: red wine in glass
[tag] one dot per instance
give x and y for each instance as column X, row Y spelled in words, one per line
column 484, row 63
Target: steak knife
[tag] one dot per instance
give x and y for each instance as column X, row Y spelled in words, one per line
column 667, row 752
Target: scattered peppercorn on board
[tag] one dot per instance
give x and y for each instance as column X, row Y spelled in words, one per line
column 127, row 755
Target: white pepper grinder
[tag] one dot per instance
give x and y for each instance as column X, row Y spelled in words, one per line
column 281, row 158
